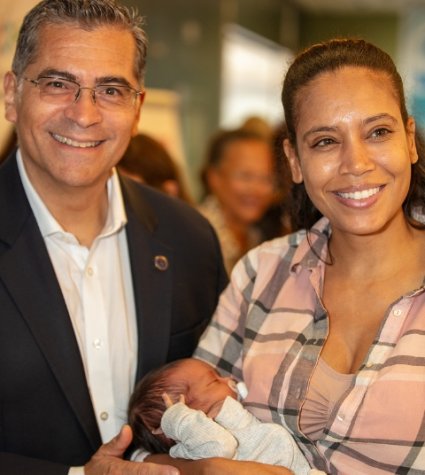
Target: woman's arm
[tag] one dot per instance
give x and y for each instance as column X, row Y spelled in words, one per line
column 218, row 466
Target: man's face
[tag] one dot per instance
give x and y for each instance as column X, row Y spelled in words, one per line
column 75, row 145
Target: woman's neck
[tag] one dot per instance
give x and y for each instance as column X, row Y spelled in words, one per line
column 387, row 250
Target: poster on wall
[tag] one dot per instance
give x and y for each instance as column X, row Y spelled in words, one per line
column 253, row 68
column 412, row 61
column 160, row 118
column 11, row 14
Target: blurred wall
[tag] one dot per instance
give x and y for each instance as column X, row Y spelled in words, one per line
column 185, row 47
column 11, row 15
column 381, row 29
column 185, row 52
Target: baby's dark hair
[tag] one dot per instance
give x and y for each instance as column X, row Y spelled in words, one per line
column 146, row 407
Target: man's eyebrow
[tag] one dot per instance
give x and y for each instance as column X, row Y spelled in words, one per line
column 120, row 80
column 58, row 73
column 113, row 80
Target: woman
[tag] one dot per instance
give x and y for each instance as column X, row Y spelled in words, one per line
column 326, row 326
column 148, row 161
column 239, row 183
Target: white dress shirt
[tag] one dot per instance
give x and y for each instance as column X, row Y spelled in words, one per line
column 97, row 287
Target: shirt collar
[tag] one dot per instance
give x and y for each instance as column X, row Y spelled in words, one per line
column 115, row 220
column 312, row 245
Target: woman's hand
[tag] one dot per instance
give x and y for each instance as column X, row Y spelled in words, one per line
column 219, row 466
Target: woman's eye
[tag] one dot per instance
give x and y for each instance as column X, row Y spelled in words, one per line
column 381, row 132
column 323, row 142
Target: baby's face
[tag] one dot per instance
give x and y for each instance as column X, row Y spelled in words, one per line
column 207, row 389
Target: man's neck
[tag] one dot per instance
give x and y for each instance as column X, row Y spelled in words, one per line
column 79, row 210
column 83, row 214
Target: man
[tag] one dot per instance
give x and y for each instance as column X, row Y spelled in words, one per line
column 101, row 279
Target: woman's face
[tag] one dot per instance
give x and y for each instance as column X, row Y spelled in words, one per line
column 243, row 181
column 354, row 153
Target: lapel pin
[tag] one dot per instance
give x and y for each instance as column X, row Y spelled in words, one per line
column 161, row 263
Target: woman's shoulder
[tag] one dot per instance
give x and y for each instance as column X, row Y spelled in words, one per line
column 286, row 251
column 279, row 246
column 266, row 257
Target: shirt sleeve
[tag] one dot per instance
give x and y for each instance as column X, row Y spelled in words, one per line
column 76, row 471
column 196, row 435
column 139, row 455
column 261, row 441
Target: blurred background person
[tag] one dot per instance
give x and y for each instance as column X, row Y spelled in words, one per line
column 258, row 125
column 239, row 182
column 148, row 161
column 277, row 221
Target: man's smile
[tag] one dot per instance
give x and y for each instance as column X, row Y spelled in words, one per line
column 75, row 143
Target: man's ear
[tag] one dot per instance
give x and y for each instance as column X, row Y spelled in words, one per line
column 10, row 85
column 294, row 163
column 135, row 130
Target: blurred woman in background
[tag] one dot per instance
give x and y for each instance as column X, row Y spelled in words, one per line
column 239, row 182
column 148, row 161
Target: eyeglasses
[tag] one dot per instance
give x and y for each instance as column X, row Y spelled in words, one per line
column 248, row 178
column 60, row 91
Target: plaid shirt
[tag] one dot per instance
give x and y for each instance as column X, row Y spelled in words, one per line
column 269, row 329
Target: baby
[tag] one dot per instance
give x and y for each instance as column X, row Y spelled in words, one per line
column 188, row 410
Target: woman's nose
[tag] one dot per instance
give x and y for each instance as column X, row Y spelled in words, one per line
column 356, row 158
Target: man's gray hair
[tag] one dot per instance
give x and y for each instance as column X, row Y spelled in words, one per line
column 86, row 14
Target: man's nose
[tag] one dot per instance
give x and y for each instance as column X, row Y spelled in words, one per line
column 83, row 110
column 91, row 89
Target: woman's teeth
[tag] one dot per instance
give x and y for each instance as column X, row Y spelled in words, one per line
column 359, row 195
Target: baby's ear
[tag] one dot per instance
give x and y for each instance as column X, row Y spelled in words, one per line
column 158, row 431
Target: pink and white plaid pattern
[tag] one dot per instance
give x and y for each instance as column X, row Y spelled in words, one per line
column 268, row 331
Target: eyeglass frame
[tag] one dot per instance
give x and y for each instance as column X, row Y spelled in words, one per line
column 36, row 82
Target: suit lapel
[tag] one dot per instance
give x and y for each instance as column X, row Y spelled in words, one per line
column 152, row 274
column 27, row 273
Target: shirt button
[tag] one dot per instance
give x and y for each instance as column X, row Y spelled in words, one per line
column 90, row 271
column 340, row 417
column 97, row 343
column 104, row 416
column 369, row 364
column 397, row 312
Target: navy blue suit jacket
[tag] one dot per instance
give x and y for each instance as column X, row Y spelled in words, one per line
column 46, row 417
